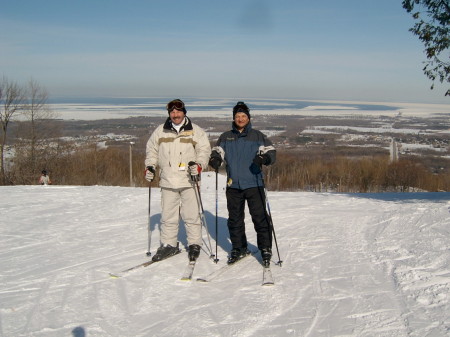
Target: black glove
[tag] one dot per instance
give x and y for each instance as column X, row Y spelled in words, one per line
column 261, row 159
column 149, row 173
column 215, row 161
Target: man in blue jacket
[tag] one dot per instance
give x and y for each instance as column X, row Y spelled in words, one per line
column 244, row 151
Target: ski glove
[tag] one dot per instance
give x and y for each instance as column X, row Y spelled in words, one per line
column 215, row 161
column 261, row 159
column 149, row 173
column 194, row 170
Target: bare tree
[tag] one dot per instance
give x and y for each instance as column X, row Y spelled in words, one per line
column 11, row 102
column 37, row 136
column 36, row 112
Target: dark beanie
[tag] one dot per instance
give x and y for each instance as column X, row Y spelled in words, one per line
column 241, row 107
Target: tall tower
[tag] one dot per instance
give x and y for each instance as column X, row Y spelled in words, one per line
column 393, row 151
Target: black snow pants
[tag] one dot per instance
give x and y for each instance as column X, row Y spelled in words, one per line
column 255, row 198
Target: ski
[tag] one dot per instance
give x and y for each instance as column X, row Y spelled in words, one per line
column 188, row 271
column 121, row 273
column 222, row 270
column 141, row 265
column 267, row 277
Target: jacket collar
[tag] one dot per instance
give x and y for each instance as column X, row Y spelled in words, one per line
column 185, row 127
column 244, row 132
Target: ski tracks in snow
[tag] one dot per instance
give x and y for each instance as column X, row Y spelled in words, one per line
column 354, row 265
column 421, row 279
column 341, row 289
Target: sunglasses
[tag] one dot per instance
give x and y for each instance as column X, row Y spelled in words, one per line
column 176, row 104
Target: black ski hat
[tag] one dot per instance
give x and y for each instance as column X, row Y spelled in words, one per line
column 241, row 107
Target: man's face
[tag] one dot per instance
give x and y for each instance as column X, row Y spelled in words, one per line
column 241, row 120
column 176, row 116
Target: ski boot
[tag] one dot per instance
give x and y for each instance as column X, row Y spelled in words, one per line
column 266, row 254
column 236, row 254
column 165, row 251
column 194, row 252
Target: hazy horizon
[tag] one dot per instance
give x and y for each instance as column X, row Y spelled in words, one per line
column 357, row 50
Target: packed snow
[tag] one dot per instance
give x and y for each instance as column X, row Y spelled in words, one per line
column 353, row 265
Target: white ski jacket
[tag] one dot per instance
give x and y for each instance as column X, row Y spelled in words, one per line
column 171, row 151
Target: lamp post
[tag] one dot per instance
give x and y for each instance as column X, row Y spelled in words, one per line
column 131, row 163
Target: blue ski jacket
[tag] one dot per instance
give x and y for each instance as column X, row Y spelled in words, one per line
column 238, row 149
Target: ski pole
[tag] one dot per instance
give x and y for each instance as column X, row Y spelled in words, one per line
column 271, row 224
column 203, row 218
column 269, row 214
column 217, row 212
column 149, row 230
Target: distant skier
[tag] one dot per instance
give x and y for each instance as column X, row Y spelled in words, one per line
column 44, row 179
column 245, row 150
column 180, row 149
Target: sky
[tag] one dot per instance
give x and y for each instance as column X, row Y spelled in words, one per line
column 341, row 50
column 355, row 265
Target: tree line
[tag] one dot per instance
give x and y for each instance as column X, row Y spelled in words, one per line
column 294, row 172
column 69, row 164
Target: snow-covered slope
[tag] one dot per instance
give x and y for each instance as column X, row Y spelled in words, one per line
column 354, row 265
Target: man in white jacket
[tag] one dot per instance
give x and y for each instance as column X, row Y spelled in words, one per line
column 179, row 149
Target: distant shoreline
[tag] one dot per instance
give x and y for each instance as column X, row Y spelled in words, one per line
column 117, row 108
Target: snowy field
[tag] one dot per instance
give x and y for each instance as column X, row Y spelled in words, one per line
column 354, row 265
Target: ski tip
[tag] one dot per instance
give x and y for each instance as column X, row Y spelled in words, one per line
column 202, row 280
column 268, row 284
column 113, row 275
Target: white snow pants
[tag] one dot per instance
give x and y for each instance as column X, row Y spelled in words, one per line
column 176, row 202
